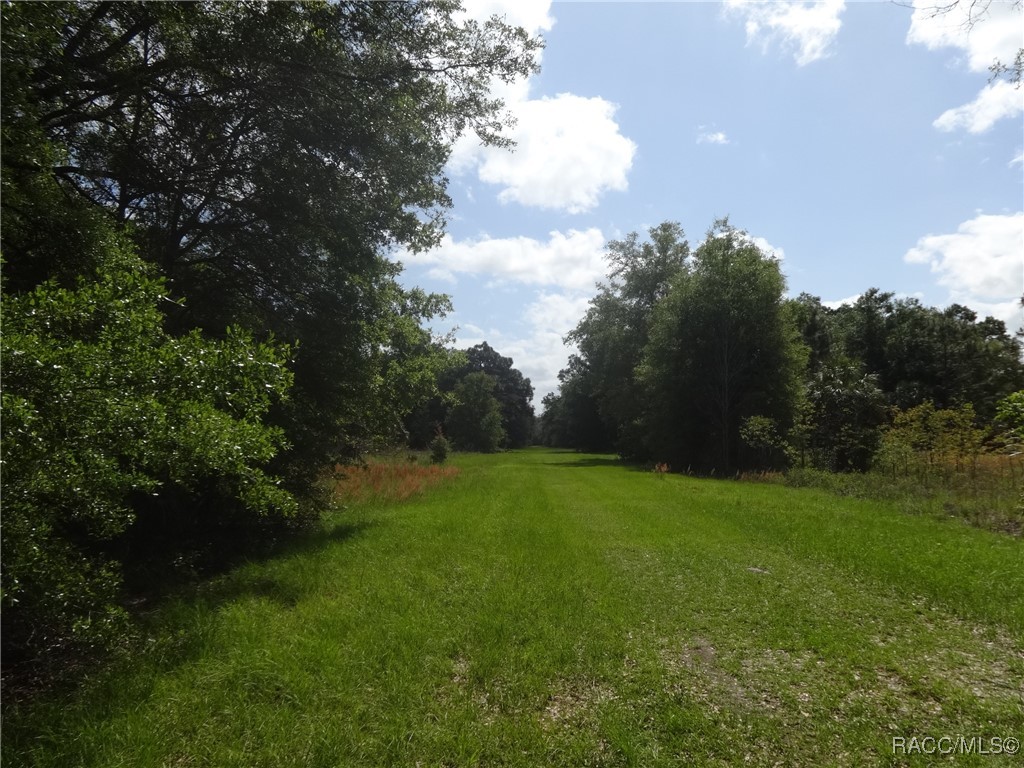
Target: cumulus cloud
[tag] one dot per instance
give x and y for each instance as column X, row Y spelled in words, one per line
column 573, row 260
column 1018, row 160
column 837, row 303
column 806, row 28
column 765, row 247
column 570, row 150
column 982, row 264
column 993, row 34
column 996, row 100
column 716, row 137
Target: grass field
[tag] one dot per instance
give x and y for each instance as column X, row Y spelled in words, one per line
column 543, row 608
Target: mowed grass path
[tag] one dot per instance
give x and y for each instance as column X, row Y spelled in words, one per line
column 555, row 609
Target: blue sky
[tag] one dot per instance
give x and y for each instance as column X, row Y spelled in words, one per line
column 862, row 142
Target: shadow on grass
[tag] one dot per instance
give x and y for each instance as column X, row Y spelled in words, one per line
column 171, row 627
column 598, row 461
column 243, row 582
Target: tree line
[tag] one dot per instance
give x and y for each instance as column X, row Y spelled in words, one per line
column 698, row 359
column 200, row 311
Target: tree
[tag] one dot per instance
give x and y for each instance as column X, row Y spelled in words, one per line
column 950, row 358
column 863, row 330
column 612, row 334
column 474, row 423
column 268, row 157
column 263, row 159
column 919, row 353
column 930, row 443
column 512, row 390
column 846, row 415
column 812, row 318
column 721, row 350
column 1009, row 421
column 571, row 418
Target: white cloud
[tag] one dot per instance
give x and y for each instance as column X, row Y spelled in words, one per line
column 573, row 260
column 996, row 33
column 765, row 247
column 569, row 149
column 712, row 138
column 982, row 264
column 837, row 303
column 993, row 34
column 1018, row 160
column 996, row 100
column 808, row 28
column 533, row 15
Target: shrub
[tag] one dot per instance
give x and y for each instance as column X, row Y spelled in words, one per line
column 104, row 414
column 440, row 448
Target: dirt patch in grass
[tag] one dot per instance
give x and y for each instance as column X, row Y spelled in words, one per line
column 692, row 670
column 575, row 703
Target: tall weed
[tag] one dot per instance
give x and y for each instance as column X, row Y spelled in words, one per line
column 384, row 481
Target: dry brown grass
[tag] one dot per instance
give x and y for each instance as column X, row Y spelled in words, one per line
column 382, row 481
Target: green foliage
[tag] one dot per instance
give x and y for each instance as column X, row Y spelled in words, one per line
column 270, row 159
column 474, row 423
column 846, row 411
column 611, row 339
column 571, row 417
column 266, row 160
column 101, row 408
column 920, row 353
column 1009, row 421
column 761, row 434
column 722, row 349
column 440, row 448
column 512, row 390
column 930, row 443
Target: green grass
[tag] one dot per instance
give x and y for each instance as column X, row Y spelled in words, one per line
column 556, row 609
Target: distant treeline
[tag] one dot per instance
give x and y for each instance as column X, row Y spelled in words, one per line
column 698, row 359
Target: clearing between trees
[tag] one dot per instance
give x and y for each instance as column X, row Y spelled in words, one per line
column 549, row 608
